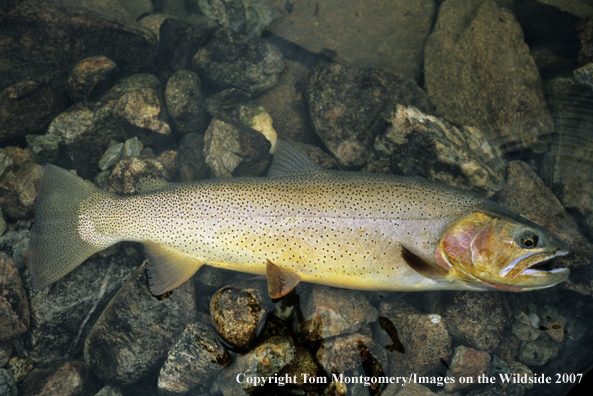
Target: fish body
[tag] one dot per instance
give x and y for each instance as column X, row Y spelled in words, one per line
column 346, row 229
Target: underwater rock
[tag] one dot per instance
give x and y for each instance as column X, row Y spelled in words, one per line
column 555, row 329
column 132, row 147
column 525, row 332
column 109, row 391
column 70, row 378
column 196, row 357
column 14, row 305
column 467, row 363
column 256, row 117
column 268, row 358
column 91, row 77
column 247, row 17
column 385, row 35
column 410, row 389
column 226, row 101
column 231, row 60
column 335, row 90
column 537, row 353
column 144, row 109
column 62, row 315
column 5, row 352
column 328, row 311
column 190, row 161
column 239, row 311
column 45, row 148
column 285, row 102
column 168, row 158
column 498, row 389
column 416, row 341
column 521, row 369
column 179, row 42
column 233, row 149
column 585, row 33
column 18, row 188
column 114, row 153
column 185, row 103
column 417, row 144
column 19, row 368
column 342, row 354
column 584, row 75
column 478, row 71
column 131, row 337
column 463, row 313
column 304, row 363
column 127, row 172
column 7, row 384
column 16, row 244
column 29, row 106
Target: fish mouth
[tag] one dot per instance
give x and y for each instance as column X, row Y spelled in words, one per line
column 536, row 272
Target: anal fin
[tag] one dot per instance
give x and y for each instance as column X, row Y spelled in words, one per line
column 424, row 267
column 280, row 280
column 167, row 268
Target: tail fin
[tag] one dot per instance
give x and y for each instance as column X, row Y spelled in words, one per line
column 56, row 247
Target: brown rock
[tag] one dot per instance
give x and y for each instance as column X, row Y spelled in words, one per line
column 143, row 108
column 467, row 363
column 18, row 189
column 14, row 305
column 90, row 77
column 70, row 378
column 345, row 353
column 129, row 171
column 185, row 103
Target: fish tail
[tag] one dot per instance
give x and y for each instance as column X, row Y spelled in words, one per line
column 56, row 246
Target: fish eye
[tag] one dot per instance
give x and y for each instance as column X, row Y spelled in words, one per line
column 528, row 240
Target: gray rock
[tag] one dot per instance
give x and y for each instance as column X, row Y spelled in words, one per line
column 466, row 363
column 45, row 148
column 349, row 135
column 127, row 172
column 233, row 149
column 18, row 188
column 537, row 353
column 109, row 391
column 239, row 311
column 113, row 154
column 194, row 360
column 584, row 75
column 498, row 389
column 16, row 244
column 418, row 144
column 478, row 72
column 328, row 312
column 64, row 313
column 463, row 313
column 190, row 160
column 416, row 341
column 343, row 354
column 525, row 332
column 6, row 161
column 14, row 305
column 143, row 109
column 409, row 389
column 247, row 17
column 5, row 352
column 7, row 384
column 70, row 378
column 304, row 363
column 233, row 61
column 268, row 358
column 226, row 101
column 131, row 337
column 498, row 366
column 185, row 103
column 133, row 147
column 137, row 8
column 2, row 223
column 90, row 77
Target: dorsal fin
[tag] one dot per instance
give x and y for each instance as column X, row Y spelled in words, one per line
column 289, row 160
column 148, row 185
column 280, row 280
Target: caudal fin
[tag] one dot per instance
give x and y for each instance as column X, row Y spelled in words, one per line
column 56, row 247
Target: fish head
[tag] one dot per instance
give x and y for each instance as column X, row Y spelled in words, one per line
column 498, row 252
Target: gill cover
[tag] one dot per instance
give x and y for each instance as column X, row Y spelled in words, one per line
column 500, row 252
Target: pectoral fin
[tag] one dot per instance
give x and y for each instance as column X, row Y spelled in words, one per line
column 421, row 265
column 280, row 280
column 167, row 268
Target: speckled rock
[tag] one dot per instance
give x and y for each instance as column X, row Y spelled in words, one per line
column 91, row 77
column 268, row 358
column 19, row 368
column 45, row 148
column 230, row 60
column 343, row 354
column 467, row 363
column 537, row 353
column 418, row 144
column 14, row 305
column 418, row 343
column 256, row 117
column 335, row 90
column 233, row 149
column 144, row 109
column 239, row 311
column 109, row 391
column 29, row 106
column 463, row 313
column 498, row 389
column 226, row 101
column 127, row 172
column 18, row 188
column 113, row 154
column 62, row 315
column 478, row 71
column 7, row 384
column 304, row 363
column 70, row 378
column 521, row 369
column 408, row 390
column 185, row 103
column 328, row 311
column 285, row 102
column 190, row 161
column 16, row 244
column 248, row 17
column 194, row 359
column 131, row 337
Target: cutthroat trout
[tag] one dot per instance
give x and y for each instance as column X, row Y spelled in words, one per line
column 302, row 223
